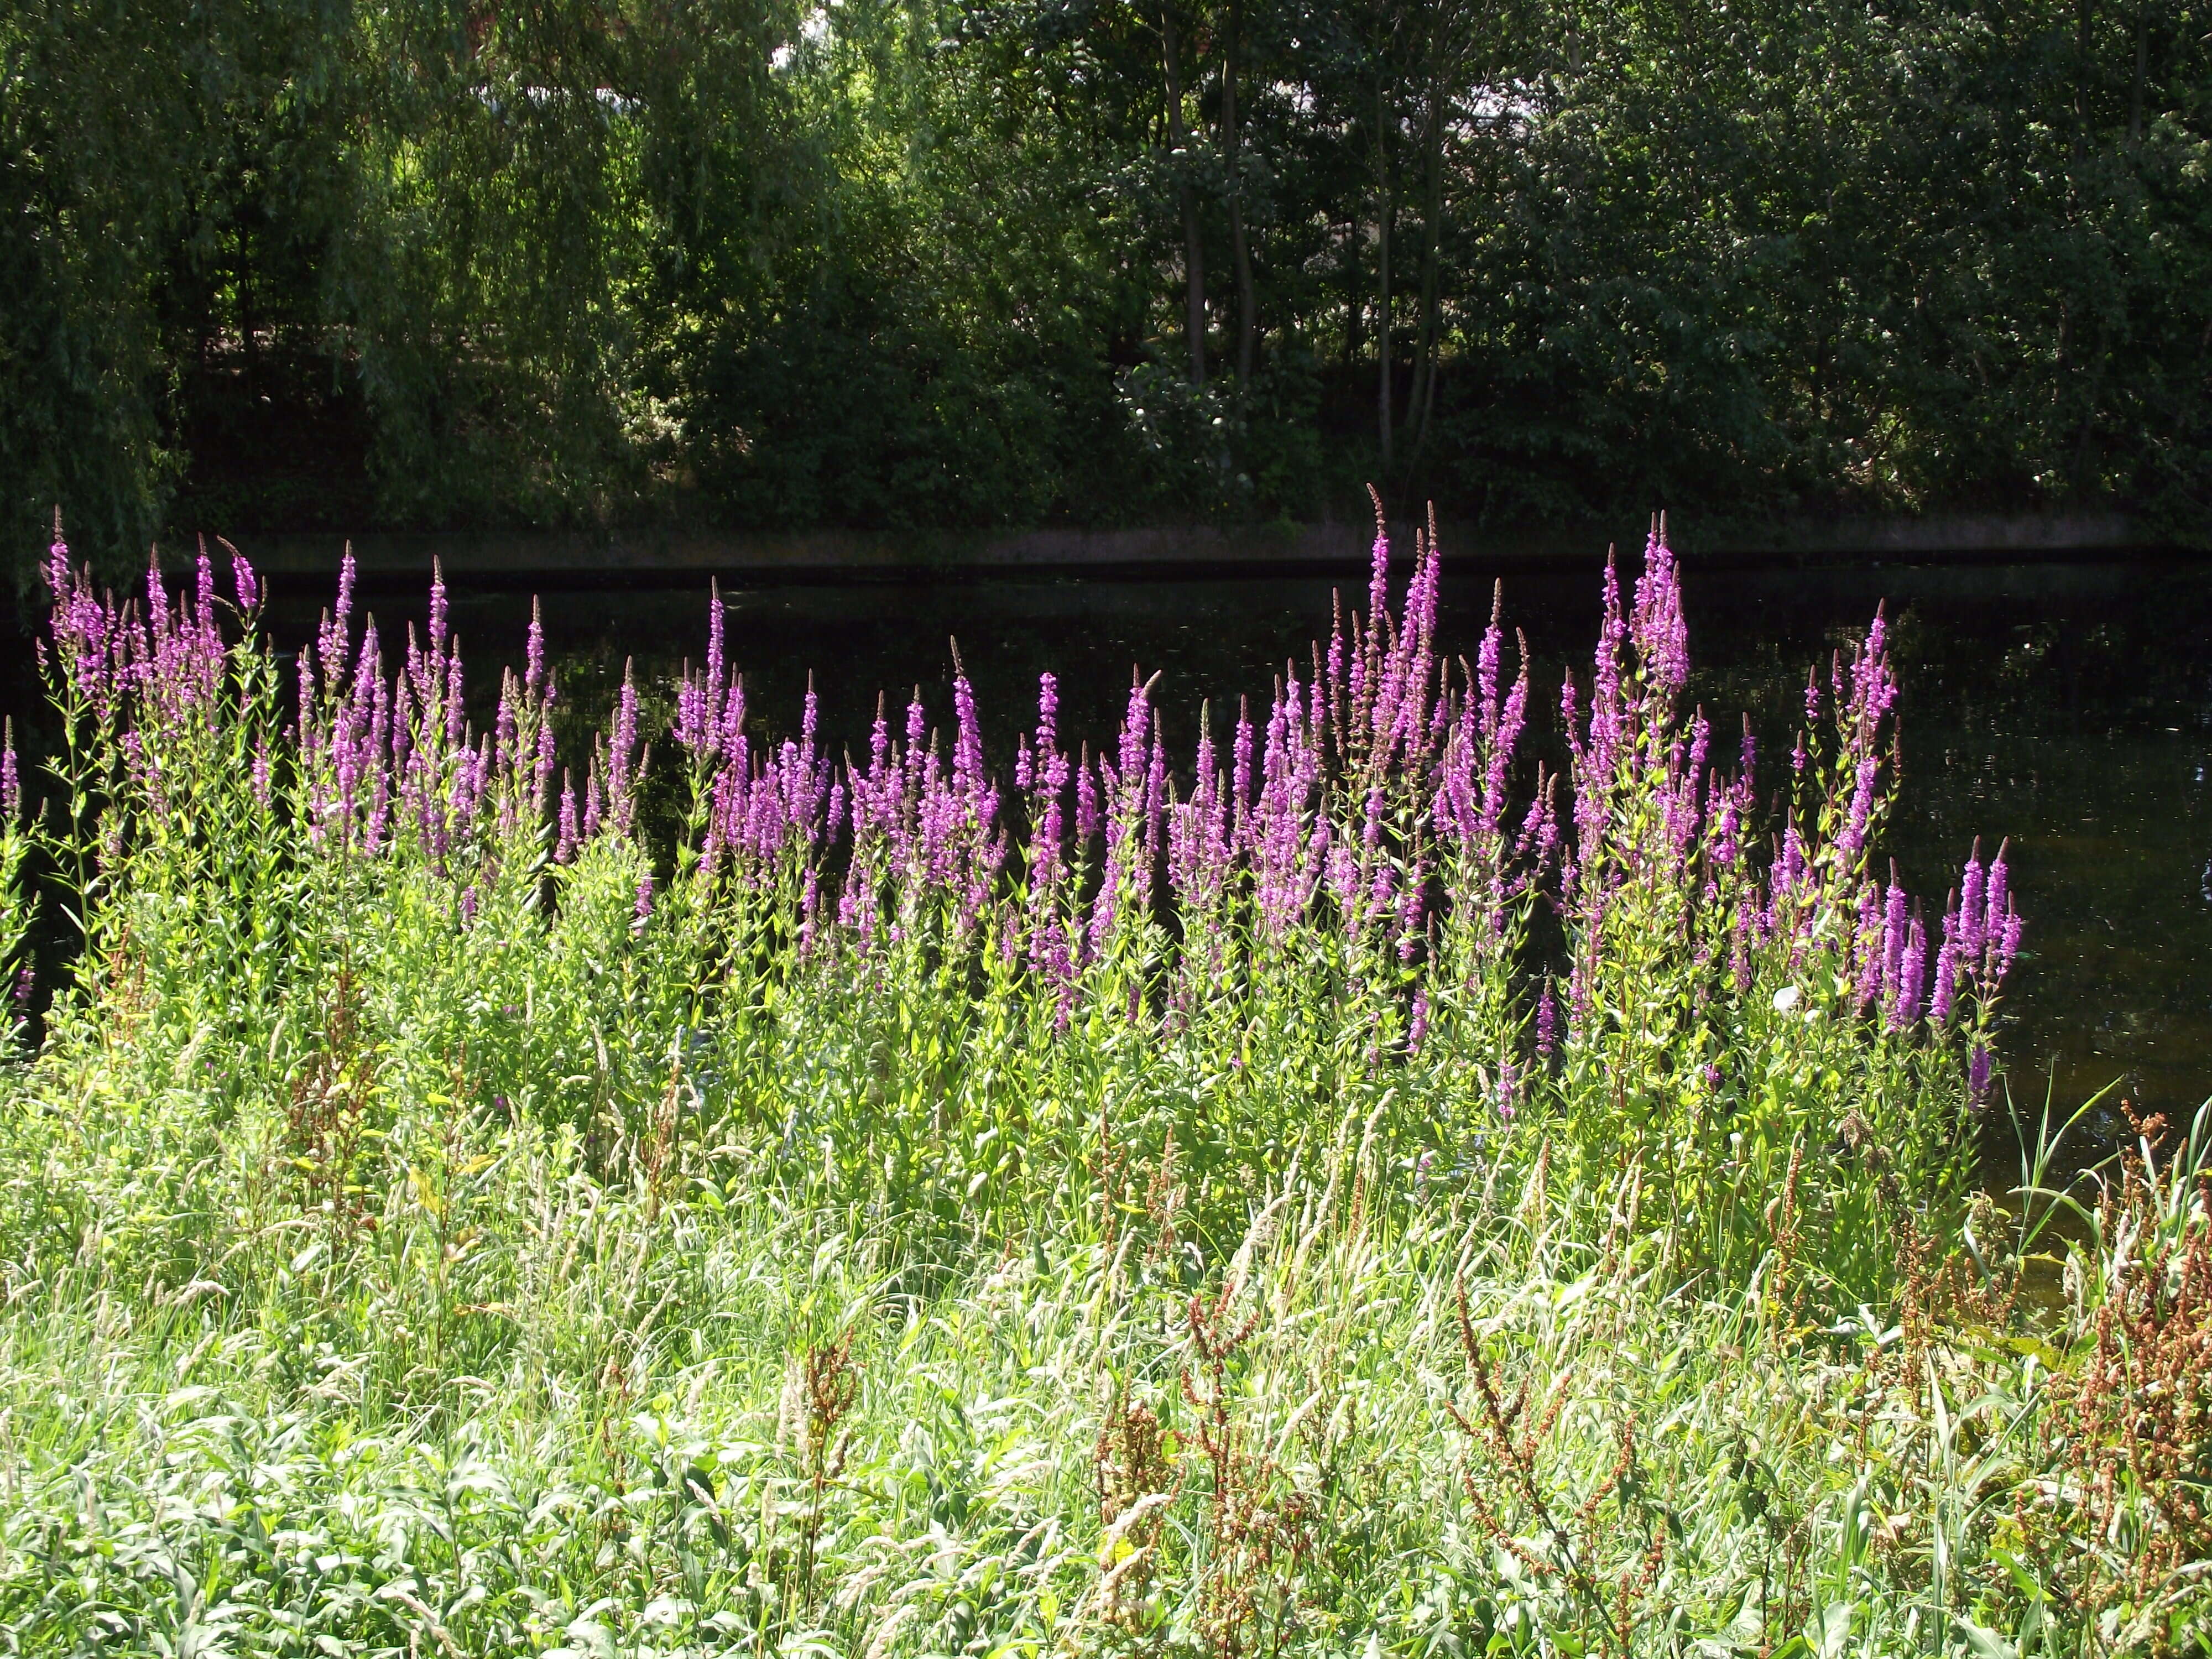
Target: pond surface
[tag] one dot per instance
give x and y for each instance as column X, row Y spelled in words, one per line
column 2067, row 707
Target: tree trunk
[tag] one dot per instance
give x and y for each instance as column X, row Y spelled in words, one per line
column 2086, row 21
column 1231, row 138
column 1423, row 396
column 1193, row 250
column 1384, row 211
column 1428, row 408
column 1353, row 296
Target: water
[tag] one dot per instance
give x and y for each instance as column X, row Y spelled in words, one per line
column 2066, row 707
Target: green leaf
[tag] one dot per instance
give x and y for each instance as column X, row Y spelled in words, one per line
column 1983, row 1642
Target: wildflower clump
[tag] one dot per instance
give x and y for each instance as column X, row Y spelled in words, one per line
column 1343, row 1187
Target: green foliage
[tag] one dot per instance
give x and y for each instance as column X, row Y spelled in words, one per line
column 928, row 265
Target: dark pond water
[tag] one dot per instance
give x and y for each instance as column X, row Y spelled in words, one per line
column 2068, row 707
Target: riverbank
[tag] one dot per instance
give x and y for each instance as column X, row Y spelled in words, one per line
column 647, row 555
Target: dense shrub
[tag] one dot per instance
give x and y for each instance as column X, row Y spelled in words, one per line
column 410, row 265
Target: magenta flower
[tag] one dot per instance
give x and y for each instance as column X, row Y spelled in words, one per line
column 1995, row 905
column 1970, row 911
column 622, row 754
column 243, row 582
column 1947, row 973
column 533, row 673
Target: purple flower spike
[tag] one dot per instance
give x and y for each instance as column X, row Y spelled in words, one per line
column 11, row 786
column 1977, row 1074
column 1240, row 774
column 714, row 646
column 1853, row 835
column 1378, row 577
column 1971, row 913
column 2008, row 946
column 533, row 675
column 1086, row 801
column 1894, row 941
column 1946, row 974
column 1996, row 905
column 1911, row 977
column 917, row 729
column 437, row 599
column 243, row 582
column 1661, row 637
column 564, row 848
column 622, row 754
column 1048, row 725
column 1872, row 947
column 336, row 625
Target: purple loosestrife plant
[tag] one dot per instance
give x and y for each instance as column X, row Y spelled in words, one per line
column 1374, row 849
column 15, row 898
column 1678, row 942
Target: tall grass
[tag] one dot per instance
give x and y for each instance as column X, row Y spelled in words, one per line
column 1353, row 1193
